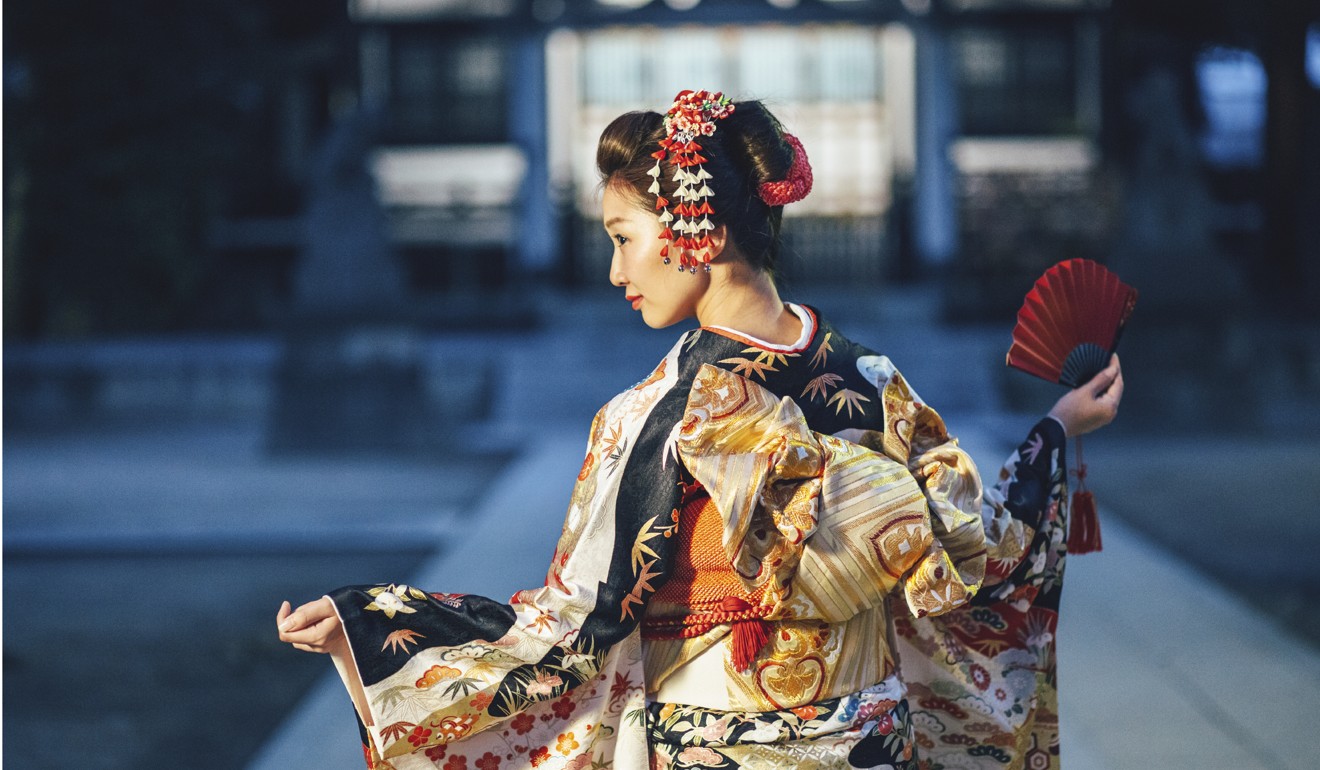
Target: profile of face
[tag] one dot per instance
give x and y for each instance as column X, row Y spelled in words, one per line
column 662, row 293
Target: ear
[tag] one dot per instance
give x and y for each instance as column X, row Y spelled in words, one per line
column 719, row 239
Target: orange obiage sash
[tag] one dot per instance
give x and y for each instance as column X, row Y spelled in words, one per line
column 704, row 591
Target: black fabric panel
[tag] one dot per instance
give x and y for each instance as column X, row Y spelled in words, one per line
column 438, row 623
column 1029, row 495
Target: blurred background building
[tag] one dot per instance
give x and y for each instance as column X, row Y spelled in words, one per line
column 158, row 158
column 286, row 231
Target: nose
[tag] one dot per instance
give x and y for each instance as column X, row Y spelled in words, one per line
column 616, row 269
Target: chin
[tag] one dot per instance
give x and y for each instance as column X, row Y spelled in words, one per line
column 659, row 321
column 657, row 324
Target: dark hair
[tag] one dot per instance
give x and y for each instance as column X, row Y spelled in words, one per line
column 746, row 150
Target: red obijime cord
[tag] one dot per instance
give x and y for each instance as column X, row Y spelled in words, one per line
column 1083, row 522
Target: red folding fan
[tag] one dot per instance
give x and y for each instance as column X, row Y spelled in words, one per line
column 1066, row 331
column 1070, row 322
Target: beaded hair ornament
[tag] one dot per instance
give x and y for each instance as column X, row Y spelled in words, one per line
column 693, row 115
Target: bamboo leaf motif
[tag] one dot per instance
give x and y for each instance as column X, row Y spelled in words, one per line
column 748, row 367
column 822, row 353
column 399, row 640
column 640, row 549
column 847, row 398
column 820, row 386
column 462, row 686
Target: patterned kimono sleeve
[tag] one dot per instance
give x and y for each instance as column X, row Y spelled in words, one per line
column 431, row 668
column 1022, row 506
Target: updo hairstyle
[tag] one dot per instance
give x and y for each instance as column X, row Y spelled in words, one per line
column 746, row 150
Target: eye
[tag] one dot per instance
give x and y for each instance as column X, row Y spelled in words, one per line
column 619, row 239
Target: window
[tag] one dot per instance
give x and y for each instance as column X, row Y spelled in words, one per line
column 1017, row 80
column 445, row 90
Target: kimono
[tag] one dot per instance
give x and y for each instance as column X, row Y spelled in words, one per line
column 982, row 679
column 744, row 522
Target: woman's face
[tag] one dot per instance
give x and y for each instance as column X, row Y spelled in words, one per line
column 662, row 293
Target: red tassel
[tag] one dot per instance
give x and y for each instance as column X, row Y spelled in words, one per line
column 1084, row 527
column 1083, row 521
column 749, row 636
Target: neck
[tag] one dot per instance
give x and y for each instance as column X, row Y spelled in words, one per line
column 746, row 300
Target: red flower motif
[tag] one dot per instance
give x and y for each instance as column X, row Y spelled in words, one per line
column 456, row 762
column 886, row 724
column 523, row 723
column 539, row 755
column 980, row 677
column 481, row 701
column 437, row 753
column 563, row 708
column 488, row 761
column 419, row 736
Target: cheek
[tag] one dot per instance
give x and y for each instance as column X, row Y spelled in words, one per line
column 643, row 258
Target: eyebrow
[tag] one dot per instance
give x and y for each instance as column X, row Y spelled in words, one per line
column 612, row 221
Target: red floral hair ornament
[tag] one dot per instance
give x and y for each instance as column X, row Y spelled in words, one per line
column 796, row 185
column 688, row 226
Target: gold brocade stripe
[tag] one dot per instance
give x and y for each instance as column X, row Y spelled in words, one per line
column 844, row 569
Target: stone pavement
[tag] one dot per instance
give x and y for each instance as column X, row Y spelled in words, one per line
column 1159, row 665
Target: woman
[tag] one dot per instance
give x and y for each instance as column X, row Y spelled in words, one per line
column 718, row 597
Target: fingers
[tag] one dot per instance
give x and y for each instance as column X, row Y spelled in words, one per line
column 1102, row 380
column 313, row 627
column 1114, row 394
column 1114, row 391
column 315, row 634
column 287, row 620
column 306, row 615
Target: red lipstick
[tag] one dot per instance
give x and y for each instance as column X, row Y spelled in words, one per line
column 636, row 301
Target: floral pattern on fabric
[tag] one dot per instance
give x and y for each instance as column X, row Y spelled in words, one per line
column 867, row 729
column 597, row 724
column 982, row 679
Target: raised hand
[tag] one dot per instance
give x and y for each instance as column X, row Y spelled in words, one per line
column 313, row 627
column 1094, row 404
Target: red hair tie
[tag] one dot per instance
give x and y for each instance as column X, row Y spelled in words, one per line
column 796, row 185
